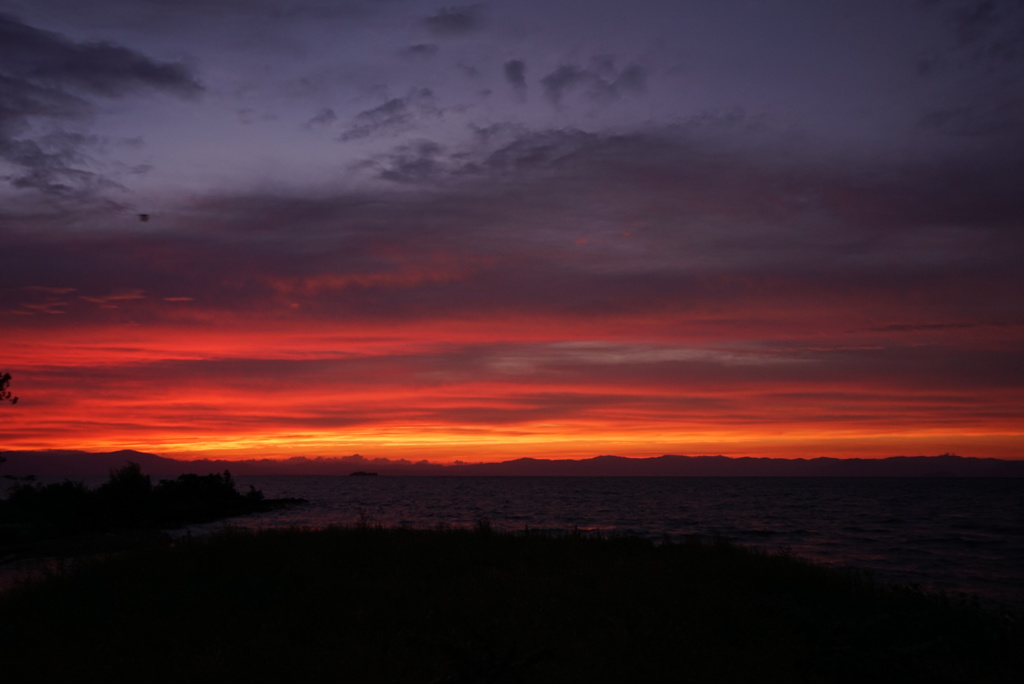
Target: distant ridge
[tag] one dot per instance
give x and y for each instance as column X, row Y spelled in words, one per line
column 78, row 464
column 82, row 464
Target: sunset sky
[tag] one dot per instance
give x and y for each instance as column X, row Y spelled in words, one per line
column 548, row 228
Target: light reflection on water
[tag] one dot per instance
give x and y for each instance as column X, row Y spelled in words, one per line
column 953, row 534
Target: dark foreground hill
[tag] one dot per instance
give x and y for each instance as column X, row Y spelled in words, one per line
column 80, row 464
column 399, row 605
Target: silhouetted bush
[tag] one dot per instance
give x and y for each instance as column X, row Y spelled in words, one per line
column 127, row 497
column 192, row 497
column 65, row 506
column 128, row 500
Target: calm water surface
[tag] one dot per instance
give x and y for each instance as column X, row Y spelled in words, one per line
column 961, row 535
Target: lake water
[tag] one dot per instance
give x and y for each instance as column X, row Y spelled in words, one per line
column 959, row 535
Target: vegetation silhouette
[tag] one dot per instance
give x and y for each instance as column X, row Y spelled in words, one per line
column 5, row 392
column 372, row 604
column 128, row 501
column 5, row 395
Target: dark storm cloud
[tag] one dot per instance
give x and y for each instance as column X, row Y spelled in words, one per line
column 21, row 99
column 49, row 163
column 974, row 20
column 515, row 74
column 45, row 76
column 325, row 117
column 390, row 116
column 515, row 150
column 601, row 81
column 223, row 16
column 564, row 78
column 929, row 327
column 455, row 20
column 1005, row 119
column 761, row 207
column 498, row 152
column 421, row 50
column 751, row 266
column 633, row 78
column 662, row 224
column 39, row 56
column 987, row 42
column 414, row 163
column 982, row 32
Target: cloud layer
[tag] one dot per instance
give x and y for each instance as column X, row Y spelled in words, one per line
column 431, row 231
column 47, row 79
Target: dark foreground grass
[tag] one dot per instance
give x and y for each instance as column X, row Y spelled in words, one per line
column 368, row 604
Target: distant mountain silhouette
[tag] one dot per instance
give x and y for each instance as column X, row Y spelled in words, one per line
column 81, row 464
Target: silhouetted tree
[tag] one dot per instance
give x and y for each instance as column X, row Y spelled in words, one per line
column 127, row 493
column 5, row 393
